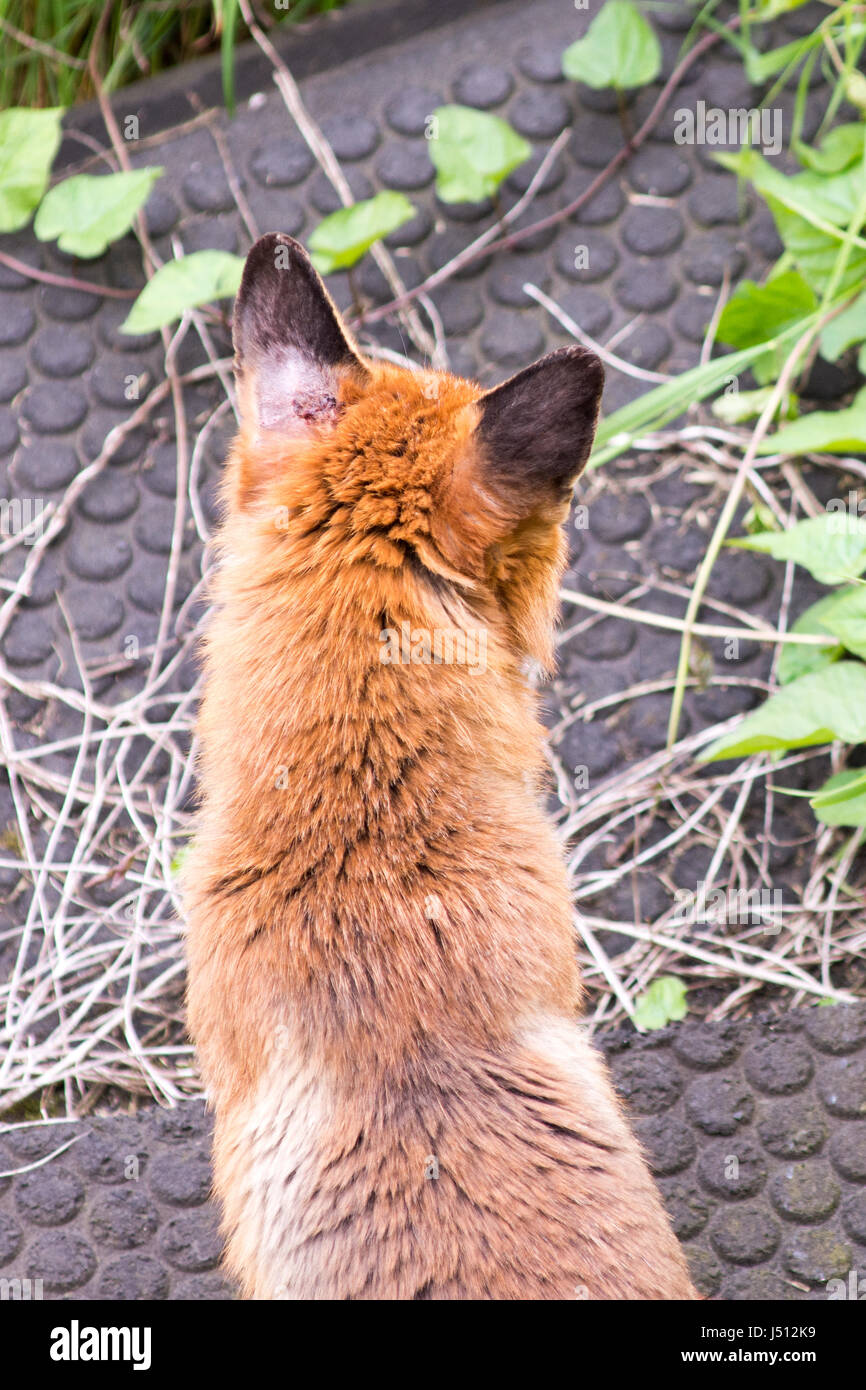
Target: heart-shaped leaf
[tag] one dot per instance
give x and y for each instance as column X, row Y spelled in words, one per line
column 812, row 213
column 28, row 143
column 620, row 50
column 824, row 431
column 797, row 659
column 840, row 148
column 842, row 799
column 832, row 547
column 88, row 212
column 760, row 67
column 664, row 1002
column 755, row 313
column 184, row 284
column 472, row 152
column 845, row 329
column 817, row 708
column 845, row 617
column 341, row 239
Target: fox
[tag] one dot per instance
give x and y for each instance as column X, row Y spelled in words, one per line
column 383, row 982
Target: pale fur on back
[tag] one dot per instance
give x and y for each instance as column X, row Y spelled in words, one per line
column 511, row 1177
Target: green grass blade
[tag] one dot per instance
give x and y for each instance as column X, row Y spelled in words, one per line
column 227, row 53
column 657, row 408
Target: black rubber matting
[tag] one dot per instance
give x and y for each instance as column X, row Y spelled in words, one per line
column 123, row 1212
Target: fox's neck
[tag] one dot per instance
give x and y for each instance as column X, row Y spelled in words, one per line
column 379, row 822
column 359, row 709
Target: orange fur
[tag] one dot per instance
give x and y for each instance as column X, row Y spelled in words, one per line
column 382, row 973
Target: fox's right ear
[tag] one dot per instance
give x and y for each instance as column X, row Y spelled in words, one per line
column 291, row 350
column 536, row 429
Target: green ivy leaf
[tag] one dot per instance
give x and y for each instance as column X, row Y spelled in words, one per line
column 845, row 618
column 620, row 50
column 841, row 787
column 184, row 284
column 472, row 152
column 88, row 212
column 736, row 406
column 816, row 253
column 840, row 148
column 819, row 198
column 832, row 547
column 817, row 708
column 812, row 212
column 760, row 67
column 341, row 239
column 842, row 799
column 29, row 140
column 845, row 329
column 664, row 1002
column 797, row 660
column 755, row 313
column 823, row 431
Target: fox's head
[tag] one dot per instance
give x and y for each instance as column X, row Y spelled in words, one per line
column 417, row 477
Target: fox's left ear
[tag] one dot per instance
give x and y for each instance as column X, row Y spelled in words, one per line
column 535, row 431
column 291, row 350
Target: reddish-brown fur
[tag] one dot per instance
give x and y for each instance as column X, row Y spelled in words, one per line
column 383, row 983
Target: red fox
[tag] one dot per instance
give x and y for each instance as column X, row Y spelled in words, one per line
column 383, row 986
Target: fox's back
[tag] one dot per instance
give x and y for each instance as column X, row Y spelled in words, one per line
column 383, row 981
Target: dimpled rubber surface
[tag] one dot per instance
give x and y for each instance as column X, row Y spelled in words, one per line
column 786, row 1100
column 755, row 1131
column 658, row 241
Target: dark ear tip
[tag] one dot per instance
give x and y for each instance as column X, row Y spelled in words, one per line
column 538, row 426
column 282, row 305
column 266, row 244
column 260, row 257
column 585, row 362
column 277, row 266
